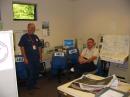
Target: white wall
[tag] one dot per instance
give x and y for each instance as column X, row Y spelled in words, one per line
column 96, row 17
column 74, row 18
column 57, row 12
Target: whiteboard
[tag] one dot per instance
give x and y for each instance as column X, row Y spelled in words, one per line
column 115, row 48
column 8, row 83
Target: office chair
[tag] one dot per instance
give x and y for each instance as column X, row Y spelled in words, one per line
column 20, row 67
column 20, row 70
column 72, row 56
column 58, row 64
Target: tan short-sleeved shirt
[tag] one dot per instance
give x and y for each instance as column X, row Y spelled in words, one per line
column 89, row 53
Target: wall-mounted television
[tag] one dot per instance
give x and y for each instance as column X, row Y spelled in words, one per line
column 24, row 11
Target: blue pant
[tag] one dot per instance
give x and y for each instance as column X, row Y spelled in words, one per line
column 32, row 73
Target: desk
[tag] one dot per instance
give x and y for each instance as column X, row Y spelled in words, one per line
column 69, row 92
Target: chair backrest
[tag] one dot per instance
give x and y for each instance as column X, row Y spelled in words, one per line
column 59, row 60
column 20, row 67
column 19, row 58
column 73, row 55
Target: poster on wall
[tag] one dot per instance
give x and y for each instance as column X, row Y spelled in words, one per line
column 45, row 28
column 8, row 81
column 6, row 50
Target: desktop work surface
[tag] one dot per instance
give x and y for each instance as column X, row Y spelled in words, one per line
column 70, row 92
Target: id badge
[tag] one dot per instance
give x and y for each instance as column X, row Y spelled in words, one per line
column 34, row 47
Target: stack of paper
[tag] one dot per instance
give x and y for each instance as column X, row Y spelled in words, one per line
column 92, row 85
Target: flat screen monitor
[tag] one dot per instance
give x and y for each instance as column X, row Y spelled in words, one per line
column 68, row 43
column 24, row 11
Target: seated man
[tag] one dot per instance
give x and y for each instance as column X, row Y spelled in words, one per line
column 88, row 58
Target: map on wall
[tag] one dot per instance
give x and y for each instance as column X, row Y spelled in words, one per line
column 115, row 48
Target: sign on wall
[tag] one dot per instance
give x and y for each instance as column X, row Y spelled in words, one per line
column 8, row 82
column 6, row 48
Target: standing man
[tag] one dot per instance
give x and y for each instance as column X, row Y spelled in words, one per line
column 88, row 58
column 31, row 49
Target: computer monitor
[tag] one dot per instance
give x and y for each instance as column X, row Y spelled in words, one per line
column 68, row 43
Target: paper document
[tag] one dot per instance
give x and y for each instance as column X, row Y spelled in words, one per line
column 112, row 93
